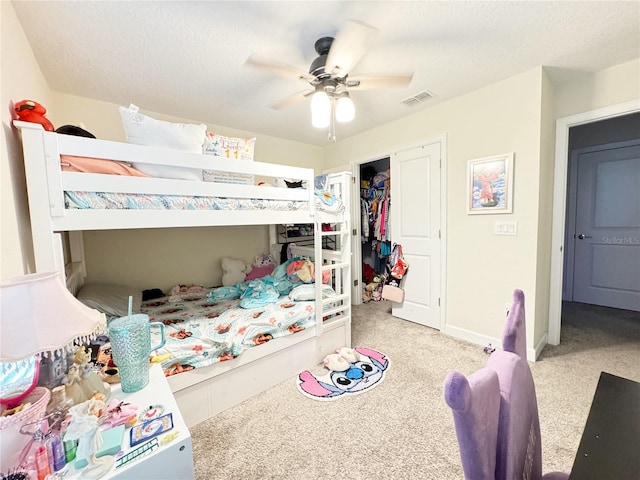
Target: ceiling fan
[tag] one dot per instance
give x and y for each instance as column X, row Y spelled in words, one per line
column 329, row 74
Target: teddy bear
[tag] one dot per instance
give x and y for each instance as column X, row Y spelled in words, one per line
column 367, row 293
column 233, row 271
column 30, row 111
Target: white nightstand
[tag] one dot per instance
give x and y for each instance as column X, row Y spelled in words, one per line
column 171, row 461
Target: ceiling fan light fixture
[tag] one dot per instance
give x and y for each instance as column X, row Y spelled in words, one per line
column 320, row 109
column 345, row 109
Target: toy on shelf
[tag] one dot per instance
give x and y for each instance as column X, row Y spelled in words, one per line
column 31, row 111
column 89, row 381
column 71, row 381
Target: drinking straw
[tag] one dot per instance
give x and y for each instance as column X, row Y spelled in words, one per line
column 130, row 305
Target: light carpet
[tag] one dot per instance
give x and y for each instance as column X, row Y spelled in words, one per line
column 403, row 429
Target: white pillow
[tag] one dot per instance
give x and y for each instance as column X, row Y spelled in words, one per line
column 231, row 148
column 143, row 130
column 110, row 299
column 308, row 292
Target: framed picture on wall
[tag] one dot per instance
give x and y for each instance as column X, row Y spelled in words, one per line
column 490, row 185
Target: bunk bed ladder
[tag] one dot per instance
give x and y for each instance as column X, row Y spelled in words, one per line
column 339, row 266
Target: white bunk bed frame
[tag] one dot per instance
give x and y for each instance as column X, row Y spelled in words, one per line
column 202, row 392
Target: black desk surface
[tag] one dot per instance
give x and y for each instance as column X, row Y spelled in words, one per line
column 610, row 445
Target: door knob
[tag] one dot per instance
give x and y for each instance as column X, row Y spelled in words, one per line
column 582, row 236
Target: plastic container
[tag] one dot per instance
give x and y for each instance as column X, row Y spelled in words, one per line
column 130, row 339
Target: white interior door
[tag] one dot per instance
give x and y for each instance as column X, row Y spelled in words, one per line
column 356, row 244
column 415, row 224
column 607, row 235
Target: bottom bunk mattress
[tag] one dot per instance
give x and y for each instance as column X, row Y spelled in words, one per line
column 200, row 332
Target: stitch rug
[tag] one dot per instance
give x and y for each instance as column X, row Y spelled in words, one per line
column 362, row 374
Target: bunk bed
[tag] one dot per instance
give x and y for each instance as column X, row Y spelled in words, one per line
column 201, row 392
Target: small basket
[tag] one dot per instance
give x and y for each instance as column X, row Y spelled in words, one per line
column 11, row 439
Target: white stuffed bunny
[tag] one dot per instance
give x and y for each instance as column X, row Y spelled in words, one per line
column 233, row 271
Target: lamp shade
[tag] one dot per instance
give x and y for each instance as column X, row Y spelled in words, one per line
column 345, row 109
column 320, row 109
column 39, row 314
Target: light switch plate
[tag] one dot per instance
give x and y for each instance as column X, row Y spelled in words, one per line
column 505, row 228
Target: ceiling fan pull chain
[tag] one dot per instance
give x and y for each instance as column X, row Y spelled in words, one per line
column 332, row 120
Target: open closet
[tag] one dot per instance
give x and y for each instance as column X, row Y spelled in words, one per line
column 375, row 234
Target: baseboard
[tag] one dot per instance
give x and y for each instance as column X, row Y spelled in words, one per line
column 533, row 354
column 485, row 340
column 472, row 337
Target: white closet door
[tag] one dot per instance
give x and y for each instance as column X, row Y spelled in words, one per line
column 415, row 224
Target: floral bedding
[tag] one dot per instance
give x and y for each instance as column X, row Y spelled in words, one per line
column 139, row 201
column 219, row 324
column 200, row 332
column 324, row 200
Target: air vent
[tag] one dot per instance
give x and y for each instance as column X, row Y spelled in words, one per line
column 418, row 98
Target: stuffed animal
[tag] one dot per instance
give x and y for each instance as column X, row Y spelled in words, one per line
column 262, row 266
column 263, row 260
column 180, row 292
column 367, row 293
column 30, row 111
column 233, row 271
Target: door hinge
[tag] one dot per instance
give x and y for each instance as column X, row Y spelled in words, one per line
column 355, row 283
column 355, row 232
column 438, row 301
column 439, row 234
column 353, row 180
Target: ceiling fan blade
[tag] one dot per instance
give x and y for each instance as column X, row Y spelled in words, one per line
column 291, row 100
column 348, row 47
column 367, row 82
column 278, row 68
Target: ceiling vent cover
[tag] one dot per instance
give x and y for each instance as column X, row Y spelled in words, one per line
column 418, row 98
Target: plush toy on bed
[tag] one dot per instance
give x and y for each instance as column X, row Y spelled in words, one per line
column 262, row 266
column 31, row 111
column 181, row 292
column 233, row 271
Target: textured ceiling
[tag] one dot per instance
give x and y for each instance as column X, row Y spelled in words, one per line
column 188, row 58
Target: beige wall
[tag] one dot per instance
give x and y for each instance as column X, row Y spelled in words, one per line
column 20, row 79
column 503, row 117
column 183, row 255
column 582, row 92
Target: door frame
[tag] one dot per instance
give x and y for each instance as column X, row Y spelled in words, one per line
column 560, row 203
column 355, row 200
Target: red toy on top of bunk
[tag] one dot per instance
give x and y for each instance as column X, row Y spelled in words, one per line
column 31, row 111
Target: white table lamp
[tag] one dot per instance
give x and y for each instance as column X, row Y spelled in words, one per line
column 38, row 316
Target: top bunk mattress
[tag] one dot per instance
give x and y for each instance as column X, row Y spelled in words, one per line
column 139, row 201
column 324, row 200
